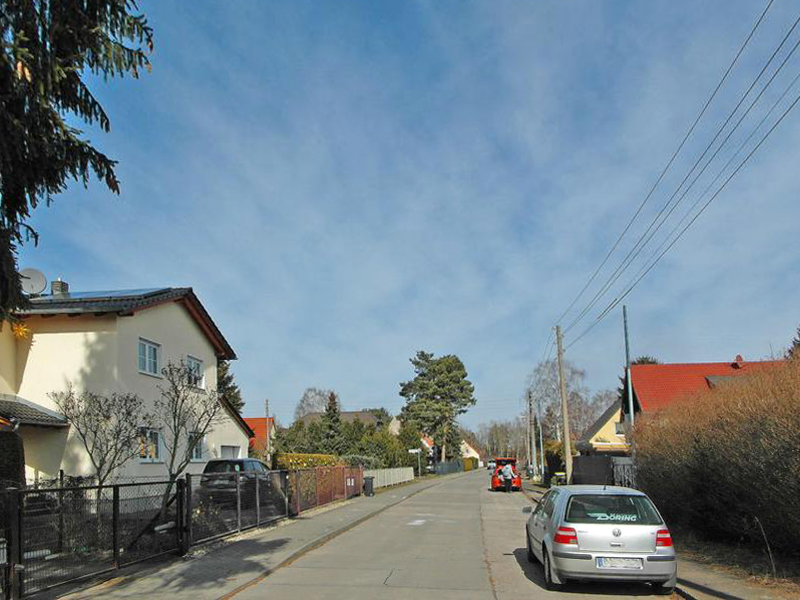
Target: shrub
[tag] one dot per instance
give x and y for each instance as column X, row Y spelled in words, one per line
column 719, row 459
column 357, row 460
column 292, row 462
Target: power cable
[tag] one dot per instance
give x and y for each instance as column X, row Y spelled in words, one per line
column 620, row 298
column 634, row 252
column 669, row 163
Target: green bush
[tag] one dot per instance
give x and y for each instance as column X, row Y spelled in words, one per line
column 719, row 460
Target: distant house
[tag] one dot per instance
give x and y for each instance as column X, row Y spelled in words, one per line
column 655, row 387
column 106, row 342
column 366, row 417
column 605, row 436
column 467, row 451
column 263, row 430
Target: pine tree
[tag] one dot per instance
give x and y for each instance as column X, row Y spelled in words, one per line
column 226, row 386
column 439, row 392
column 333, row 441
column 49, row 52
column 794, row 349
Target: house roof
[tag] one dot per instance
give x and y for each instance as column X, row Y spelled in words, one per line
column 27, row 413
column 657, row 386
column 237, row 418
column 128, row 302
column 366, row 417
column 259, row 426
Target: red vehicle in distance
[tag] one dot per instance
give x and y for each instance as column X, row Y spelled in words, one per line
column 497, row 480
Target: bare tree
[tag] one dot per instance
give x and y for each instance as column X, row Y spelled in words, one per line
column 184, row 413
column 108, row 426
column 314, row 400
column 543, row 384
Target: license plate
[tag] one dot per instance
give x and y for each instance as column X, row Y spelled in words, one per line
column 604, row 562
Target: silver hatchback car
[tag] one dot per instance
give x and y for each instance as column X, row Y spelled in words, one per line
column 601, row 533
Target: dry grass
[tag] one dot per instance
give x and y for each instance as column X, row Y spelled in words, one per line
column 742, row 560
column 719, row 461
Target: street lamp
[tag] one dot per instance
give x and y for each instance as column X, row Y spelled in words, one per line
column 419, row 466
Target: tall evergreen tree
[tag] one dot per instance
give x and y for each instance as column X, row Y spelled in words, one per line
column 439, row 392
column 333, row 441
column 49, row 51
column 226, row 386
column 794, row 349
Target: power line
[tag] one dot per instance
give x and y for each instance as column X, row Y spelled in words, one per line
column 644, row 238
column 621, row 297
column 669, row 163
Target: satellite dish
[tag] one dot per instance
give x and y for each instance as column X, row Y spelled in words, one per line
column 33, row 281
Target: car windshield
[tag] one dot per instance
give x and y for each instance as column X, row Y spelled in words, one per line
column 222, row 467
column 612, row 509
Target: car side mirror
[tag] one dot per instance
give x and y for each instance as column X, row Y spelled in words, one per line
column 526, row 510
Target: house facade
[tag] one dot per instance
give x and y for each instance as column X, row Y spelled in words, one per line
column 606, row 436
column 107, row 342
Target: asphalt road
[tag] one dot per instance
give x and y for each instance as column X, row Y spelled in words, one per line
column 457, row 540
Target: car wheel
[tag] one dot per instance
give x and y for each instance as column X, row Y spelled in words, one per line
column 548, row 573
column 531, row 555
column 662, row 589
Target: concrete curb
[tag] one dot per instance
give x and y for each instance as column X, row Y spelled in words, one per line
column 324, row 539
column 684, row 594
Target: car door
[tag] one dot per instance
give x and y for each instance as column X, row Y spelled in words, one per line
column 537, row 520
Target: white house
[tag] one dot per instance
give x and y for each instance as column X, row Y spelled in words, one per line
column 115, row 341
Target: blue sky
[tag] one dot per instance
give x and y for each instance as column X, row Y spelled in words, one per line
column 346, row 183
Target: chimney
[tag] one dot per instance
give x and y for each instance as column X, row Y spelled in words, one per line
column 59, row 288
column 738, row 362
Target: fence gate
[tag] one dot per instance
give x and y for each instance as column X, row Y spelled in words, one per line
column 624, row 471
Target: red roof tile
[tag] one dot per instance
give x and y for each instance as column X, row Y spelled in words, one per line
column 657, row 386
column 259, row 427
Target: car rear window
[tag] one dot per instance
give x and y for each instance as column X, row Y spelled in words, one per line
column 616, row 509
column 222, row 467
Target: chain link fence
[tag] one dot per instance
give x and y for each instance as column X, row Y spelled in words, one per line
column 50, row 535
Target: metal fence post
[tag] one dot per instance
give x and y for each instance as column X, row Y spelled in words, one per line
column 15, row 552
column 188, row 513
column 258, row 499
column 180, row 512
column 114, row 523
column 316, row 486
column 285, row 480
column 60, row 546
column 238, row 503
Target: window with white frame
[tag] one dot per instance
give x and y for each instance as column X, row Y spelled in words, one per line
column 196, row 373
column 149, row 445
column 199, row 450
column 230, row 451
column 149, row 357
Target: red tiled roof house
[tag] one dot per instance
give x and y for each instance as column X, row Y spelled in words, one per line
column 656, row 387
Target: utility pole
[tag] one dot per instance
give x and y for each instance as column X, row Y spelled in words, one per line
column 266, row 429
column 564, row 409
column 629, row 386
column 541, row 442
column 531, row 434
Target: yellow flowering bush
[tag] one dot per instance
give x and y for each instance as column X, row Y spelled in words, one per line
column 292, row 462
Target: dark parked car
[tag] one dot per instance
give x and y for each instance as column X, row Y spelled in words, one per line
column 218, row 481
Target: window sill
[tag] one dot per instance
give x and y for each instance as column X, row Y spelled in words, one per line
column 198, row 460
column 151, row 462
column 153, row 375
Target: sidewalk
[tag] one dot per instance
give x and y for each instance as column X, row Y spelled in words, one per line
column 696, row 580
column 217, row 570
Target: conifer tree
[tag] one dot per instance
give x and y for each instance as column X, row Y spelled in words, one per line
column 49, row 51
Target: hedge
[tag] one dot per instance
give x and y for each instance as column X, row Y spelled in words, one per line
column 292, row 462
column 726, row 462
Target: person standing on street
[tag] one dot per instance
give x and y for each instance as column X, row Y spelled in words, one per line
column 508, row 476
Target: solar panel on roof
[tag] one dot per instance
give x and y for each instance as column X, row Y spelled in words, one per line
column 109, row 294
